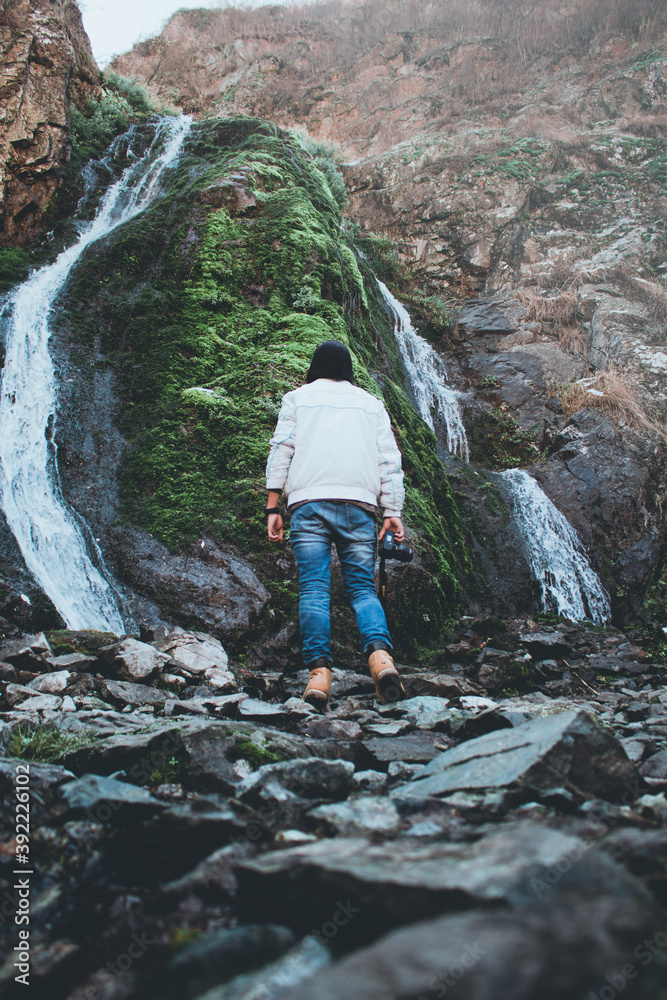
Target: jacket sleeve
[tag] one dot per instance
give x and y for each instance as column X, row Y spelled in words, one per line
column 392, row 491
column 281, row 447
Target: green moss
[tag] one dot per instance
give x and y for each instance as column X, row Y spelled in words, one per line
column 15, row 265
column 519, row 678
column 497, row 442
column 45, row 744
column 171, row 771
column 208, row 307
column 256, row 756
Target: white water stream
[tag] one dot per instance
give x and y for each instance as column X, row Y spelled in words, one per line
column 555, row 553
column 556, row 556
column 428, row 377
column 56, row 545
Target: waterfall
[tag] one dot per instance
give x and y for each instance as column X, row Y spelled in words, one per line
column 555, row 553
column 428, row 377
column 57, row 546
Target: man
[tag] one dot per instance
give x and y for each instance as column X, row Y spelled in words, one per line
column 334, row 452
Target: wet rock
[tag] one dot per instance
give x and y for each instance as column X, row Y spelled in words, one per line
column 644, row 854
column 564, row 952
column 369, row 781
column 222, row 705
column 425, row 711
column 138, row 754
column 72, row 661
column 261, row 711
column 414, row 881
column 498, row 316
column 210, row 587
column 546, row 644
column 654, row 770
column 127, row 693
column 43, row 777
column 310, row 779
column 51, row 683
column 439, row 685
column 301, row 962
column 106, row 800
column 568, row 748
column 396, row 728
column 28, row 653
column 132, row 660
column 332, row 729
column 221, row 954
column 362, row 816
column 413, row 748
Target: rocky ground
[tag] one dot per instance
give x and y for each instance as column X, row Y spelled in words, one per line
column 198, row 831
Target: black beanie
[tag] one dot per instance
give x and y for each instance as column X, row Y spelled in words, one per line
column 331, row 360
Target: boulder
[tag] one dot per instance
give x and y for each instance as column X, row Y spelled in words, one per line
column 52, row 683
column 568, row 748
column 132, row 660
column 415, row 748
column 363, row 816
column 28, row 653
column 521, row 865
column 309, row 779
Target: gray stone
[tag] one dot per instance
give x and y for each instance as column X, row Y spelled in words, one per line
column 481, row 315
column 72, row 661
column 131, row 660
column 308, row 958
column 562, row 953
column 568, row 749
column 52, row 683
column 361, row 816
column 106, row 800
column 400, row 770
column 439, row 685
column 392, row 728
column 332, row 729
column 42, row 776
column 415, row 748
column 517, row 866
column 196, row 651
column 424, row 711
column 23, row 698
column 127, row 693
column 27, row 652
column 546, row 644
column 655, row 768
column 262, row 711
column 312, row 778
column 369, row 781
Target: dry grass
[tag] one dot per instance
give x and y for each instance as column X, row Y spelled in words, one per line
column 613, row 393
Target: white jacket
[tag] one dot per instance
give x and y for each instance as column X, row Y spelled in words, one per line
column 334, row 441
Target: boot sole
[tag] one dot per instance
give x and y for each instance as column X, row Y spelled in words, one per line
column 316, row 700
column 388, row 686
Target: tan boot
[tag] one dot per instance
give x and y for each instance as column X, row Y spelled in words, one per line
column 385, row 676
column 318, row 688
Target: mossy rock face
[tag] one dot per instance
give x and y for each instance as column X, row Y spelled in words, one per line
column 206, row 309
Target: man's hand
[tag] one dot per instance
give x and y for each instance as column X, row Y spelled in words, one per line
column 392, row 524
column 274, row 527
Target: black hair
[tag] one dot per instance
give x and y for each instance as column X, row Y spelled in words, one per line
column 331, row 360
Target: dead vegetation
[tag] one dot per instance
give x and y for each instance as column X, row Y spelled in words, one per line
column 308, row 44
column 612, row 392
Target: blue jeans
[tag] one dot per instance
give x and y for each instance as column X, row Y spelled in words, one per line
column 314, row 527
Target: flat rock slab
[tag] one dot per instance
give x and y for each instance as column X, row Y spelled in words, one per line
column 568, row 749
column 565, row 953
column 438, row 685
column 52, row 683
column 41, row 776
column 423, row 711
column 364, row 816
column 415, row 748
column 390, row 885
column 102, row 799
column 128, row 693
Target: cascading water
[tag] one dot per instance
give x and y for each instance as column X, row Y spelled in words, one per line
column 57, row 547
column 428, row 376
column 555, row 553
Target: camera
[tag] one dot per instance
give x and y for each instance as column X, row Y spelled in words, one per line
column 391, row 549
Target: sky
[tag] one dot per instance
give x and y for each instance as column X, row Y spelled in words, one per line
column 113, row 26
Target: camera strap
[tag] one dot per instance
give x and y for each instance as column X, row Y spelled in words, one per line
column 382, row 588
